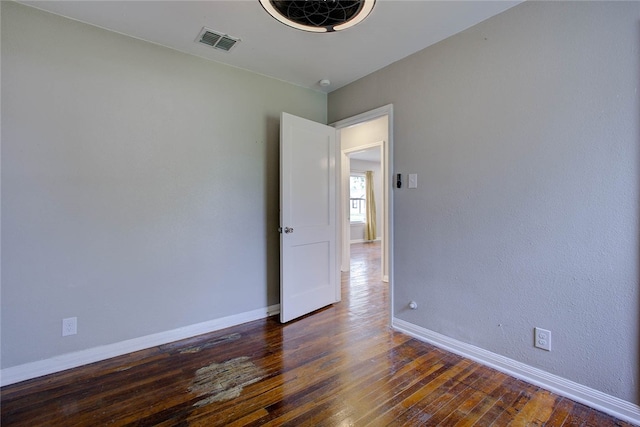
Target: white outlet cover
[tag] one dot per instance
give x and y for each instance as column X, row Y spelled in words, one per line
column 69, row 326
column 542, row 339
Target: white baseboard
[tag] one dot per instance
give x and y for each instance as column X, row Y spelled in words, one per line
column 611, row 405
column 63, row 362
column 363, row 241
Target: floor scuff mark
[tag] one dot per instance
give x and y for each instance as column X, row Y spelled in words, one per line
column 212, row 343
column 224, row 381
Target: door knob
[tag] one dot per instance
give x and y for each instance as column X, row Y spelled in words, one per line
column 288, row 230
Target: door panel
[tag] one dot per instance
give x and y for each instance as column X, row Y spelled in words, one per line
column 311, row 179
column 308, row 265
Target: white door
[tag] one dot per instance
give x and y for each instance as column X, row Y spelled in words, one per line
column 308, row 259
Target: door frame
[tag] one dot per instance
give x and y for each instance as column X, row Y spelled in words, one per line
column 387, row 164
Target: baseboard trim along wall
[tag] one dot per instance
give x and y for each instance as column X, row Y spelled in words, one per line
column 63, row 362
column 363, row 241
column 611, row 405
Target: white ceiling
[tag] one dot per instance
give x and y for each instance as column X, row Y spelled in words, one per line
column 393, row 30
column 369, row 155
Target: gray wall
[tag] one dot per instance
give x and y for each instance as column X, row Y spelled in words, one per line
column 523, row 131
column 139, row 186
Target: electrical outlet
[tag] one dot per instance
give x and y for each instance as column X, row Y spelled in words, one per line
column 69, row 326
column 542, row 339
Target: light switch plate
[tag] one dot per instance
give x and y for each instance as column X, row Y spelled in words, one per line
column 413, row 180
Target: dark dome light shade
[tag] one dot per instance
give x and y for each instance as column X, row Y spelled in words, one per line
column 319, row 15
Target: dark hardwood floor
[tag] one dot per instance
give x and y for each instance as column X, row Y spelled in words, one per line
column 340, row 366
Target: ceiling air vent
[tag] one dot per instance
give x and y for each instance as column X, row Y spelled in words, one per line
column 217, row 40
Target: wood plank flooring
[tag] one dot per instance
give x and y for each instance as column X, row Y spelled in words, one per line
column 340, row 366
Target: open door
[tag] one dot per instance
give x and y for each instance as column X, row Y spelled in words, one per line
column 308, row 231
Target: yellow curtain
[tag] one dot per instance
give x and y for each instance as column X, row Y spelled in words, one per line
column 370, row 226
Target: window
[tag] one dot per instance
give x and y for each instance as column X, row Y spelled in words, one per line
column 357, row 197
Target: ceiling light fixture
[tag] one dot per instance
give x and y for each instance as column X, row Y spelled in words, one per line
column 319, row 16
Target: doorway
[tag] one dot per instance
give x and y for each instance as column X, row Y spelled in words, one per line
column 370, row 130
column 364, row 208
column 364, row 226
column 340, row 137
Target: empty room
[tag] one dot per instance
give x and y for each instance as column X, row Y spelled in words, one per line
column 177, row 231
